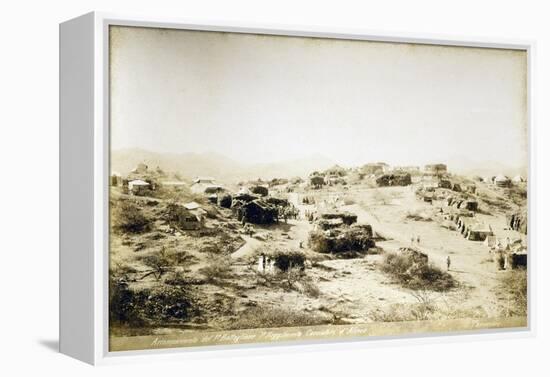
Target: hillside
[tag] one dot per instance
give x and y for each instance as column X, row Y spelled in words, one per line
column 190, row 165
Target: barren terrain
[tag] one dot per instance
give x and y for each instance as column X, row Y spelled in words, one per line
column 217, row 267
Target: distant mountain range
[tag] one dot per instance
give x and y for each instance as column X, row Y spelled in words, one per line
column 468, row 167
column 190, row 165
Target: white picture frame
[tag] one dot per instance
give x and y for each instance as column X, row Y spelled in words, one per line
column 84, row 173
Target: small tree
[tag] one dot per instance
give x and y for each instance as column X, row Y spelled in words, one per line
column 218, row 269
column 317, row 181
column 127, row 217
column 164, row 261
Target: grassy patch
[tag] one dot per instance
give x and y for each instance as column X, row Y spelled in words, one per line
column 513, row 291
column 262, row 317
column 127, row 217
column 218, row 268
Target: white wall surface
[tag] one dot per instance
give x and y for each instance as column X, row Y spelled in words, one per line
column 29, row 189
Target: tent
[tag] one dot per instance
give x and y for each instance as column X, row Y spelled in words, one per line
column 138, row 187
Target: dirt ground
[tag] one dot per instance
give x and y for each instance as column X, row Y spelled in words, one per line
column 346, row 290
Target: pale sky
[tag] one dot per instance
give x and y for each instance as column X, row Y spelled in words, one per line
column 262, row 99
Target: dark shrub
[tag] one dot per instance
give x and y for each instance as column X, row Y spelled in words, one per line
column 416, row 273
column 287, row 259
column 127, row 217
column 165, row 303
column 260, row 190
column 161, row 304
column 317, row 181
column 122, row 305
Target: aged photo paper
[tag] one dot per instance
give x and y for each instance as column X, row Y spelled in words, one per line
column 269, row 188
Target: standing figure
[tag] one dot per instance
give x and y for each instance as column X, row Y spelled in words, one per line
column 271, row 265
column 261, row 263
column 448, row 262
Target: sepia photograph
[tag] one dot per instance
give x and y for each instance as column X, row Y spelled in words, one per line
column 272, row 188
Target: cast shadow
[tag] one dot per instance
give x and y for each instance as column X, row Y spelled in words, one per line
column 52, row 345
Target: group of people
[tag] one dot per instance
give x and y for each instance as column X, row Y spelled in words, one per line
column 416, row 238
column 289, row 212
column 309, row 215
column 308, row 200
column 266, row 264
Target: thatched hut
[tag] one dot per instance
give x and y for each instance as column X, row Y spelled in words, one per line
column 326, row 224
column 478, row 232
column 356, row 238
column 445, row 183
column 394, row 179
column 181, row 217
column 139, row 187
column 257, row 212
column 347, row 218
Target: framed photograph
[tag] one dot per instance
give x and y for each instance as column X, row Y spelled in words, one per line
column 230, row 186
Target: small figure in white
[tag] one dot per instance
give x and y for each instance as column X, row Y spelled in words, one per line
column 261, row 263
column 271, row 265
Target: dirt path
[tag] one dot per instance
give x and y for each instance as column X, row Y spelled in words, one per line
column 469, row 259
column 356, row 288
column 293, row 237
column 249, row 248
